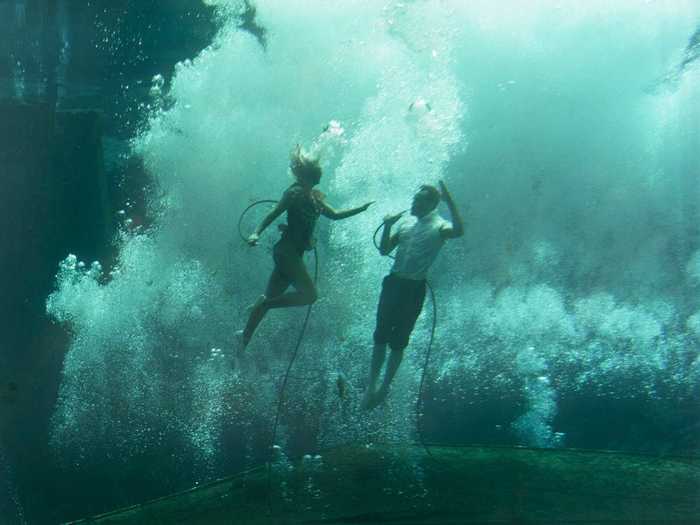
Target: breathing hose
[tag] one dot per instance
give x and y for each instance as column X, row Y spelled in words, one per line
column 280, row 399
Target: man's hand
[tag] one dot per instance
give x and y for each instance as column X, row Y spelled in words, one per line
column 457, row 228
column 253, row 239
column 391, row 219
column 444, row 193
column 365, row 206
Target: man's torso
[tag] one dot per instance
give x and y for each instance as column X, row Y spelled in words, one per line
column 419, row 245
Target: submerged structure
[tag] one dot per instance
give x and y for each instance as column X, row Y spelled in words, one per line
column 451, row 484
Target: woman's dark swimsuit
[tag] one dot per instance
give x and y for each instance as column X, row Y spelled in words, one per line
column 297, row 237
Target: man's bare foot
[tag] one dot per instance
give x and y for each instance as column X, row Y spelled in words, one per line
column 241, row 341
column 383, row 392
column 364, row 404
column 368, row 400
column 375, row 398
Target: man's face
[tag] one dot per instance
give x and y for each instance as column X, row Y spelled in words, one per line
column 422, row 204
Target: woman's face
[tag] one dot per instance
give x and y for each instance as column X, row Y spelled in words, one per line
column 315, row 177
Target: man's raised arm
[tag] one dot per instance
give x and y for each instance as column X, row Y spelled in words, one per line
column 457, row 228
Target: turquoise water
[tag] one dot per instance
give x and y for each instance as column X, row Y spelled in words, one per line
column 567, row 316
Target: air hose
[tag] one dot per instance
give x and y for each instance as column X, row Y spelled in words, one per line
column 244, row 212
column 419, row 401
column 280, row 399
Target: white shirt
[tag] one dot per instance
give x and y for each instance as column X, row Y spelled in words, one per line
column 419, row 244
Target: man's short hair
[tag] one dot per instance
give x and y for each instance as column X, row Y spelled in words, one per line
column 432, row 192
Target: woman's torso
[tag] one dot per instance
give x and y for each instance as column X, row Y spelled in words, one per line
column 302, row 213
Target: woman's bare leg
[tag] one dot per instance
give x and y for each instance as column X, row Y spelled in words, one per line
column 277, row 284
column 305, row 289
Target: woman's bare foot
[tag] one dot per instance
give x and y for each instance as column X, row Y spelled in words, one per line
column 257, row 304
column 257, row 312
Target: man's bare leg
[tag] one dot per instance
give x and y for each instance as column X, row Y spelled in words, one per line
column 392, row 367
column 378, row 357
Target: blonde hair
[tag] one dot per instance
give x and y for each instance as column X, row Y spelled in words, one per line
column 304, row 165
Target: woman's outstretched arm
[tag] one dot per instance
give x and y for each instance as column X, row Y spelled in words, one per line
column 328, row 211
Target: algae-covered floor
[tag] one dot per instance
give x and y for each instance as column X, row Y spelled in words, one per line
column 467, row 484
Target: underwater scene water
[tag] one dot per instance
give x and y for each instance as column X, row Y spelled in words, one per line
column 566, row 317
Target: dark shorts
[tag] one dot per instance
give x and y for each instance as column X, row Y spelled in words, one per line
column 400, row 305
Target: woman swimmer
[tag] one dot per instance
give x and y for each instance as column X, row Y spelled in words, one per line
column 303, row 205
